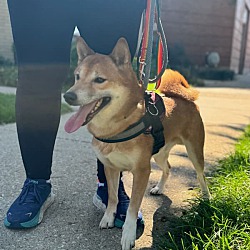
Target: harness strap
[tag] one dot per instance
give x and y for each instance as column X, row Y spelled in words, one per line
column 150, row 123
column 157, row 130
column 128, row 134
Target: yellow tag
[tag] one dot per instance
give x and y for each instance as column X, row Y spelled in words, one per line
column 151, row 87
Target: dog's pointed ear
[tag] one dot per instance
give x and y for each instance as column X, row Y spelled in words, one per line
column 121, row 54
column 83, row 49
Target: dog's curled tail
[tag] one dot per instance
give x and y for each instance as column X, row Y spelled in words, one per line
column 173, row 84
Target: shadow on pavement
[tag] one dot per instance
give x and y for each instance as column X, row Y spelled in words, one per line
column 163, row 218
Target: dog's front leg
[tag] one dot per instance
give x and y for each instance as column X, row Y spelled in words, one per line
column 112, row 176
column 140, row 181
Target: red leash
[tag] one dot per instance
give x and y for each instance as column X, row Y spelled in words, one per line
column 152, row 15
column 159, row 62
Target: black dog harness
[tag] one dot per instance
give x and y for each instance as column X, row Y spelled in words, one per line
column 150, row 123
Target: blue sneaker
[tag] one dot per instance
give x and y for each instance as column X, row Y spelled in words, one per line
column 100, row 200
column 28, row 209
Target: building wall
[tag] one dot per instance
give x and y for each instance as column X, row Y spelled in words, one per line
column 6, row 40
column 240, row 19
column 247, row 58
column 200, row 26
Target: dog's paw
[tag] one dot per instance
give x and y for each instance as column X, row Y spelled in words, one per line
column 156, row 190
column 108, row 221
column 206, row 196
column 128, row 240
column 128, row 235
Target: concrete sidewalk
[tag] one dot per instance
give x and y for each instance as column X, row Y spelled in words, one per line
column 240, row 81
column 72, row 221
column 7, row 90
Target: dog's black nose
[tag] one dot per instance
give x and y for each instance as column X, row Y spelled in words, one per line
column 70, row 97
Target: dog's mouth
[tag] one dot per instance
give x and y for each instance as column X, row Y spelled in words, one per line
column 85, row 114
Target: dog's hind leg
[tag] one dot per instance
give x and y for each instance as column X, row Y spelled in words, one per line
column 161, row 159
column 195, row 154
column 112, row 176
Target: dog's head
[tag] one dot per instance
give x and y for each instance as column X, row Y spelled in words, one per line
column 102, row 84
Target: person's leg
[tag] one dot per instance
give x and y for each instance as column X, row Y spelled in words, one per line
column 101, row 24
column 42, row 32
column 42, row 35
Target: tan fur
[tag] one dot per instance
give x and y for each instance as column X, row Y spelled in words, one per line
column 182, row 125
column 175, row 85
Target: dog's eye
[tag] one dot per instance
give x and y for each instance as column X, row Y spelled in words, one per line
column 99, row 80
column 77, row 77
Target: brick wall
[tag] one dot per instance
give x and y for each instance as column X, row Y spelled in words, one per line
column 200, row 26
column 6, row 40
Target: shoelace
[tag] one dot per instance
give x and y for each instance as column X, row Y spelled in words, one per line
column 30, row 193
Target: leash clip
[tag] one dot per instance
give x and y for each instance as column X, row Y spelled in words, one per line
column 141, row 70
column 154, row 110
column 151, row 103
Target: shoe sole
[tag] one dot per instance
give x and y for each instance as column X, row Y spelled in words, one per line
column 97, row 201
column 37, row 219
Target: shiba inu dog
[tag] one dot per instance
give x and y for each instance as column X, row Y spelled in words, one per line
column 112, row 105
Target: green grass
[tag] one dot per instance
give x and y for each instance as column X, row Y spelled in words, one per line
column 7, row 108
column 224, row 222
column 8, row 75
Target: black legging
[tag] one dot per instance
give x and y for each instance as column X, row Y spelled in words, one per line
column 42, row 31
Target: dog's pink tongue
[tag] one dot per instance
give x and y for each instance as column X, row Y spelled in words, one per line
column 78, row 119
